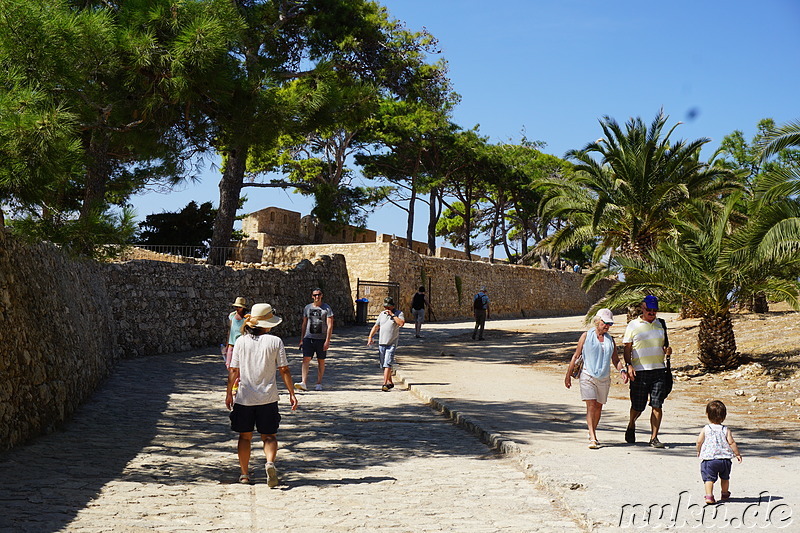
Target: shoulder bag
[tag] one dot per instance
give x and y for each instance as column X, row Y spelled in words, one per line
column 668, row 382
column 576, row 370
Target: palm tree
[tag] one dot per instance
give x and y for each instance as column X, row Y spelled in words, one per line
column 628, row 198
column 780, row 138
column 712, row 265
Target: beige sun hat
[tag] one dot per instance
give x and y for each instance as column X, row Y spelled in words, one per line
column 261, row 316
column 240, row 302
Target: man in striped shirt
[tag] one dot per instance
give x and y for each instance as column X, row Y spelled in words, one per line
column 644, row 354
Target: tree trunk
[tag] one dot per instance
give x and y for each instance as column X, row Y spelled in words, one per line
column 758, row 304
column 717, row 342
column 433, row 218
column 689, row 310
column 97, row 173
column 230, row 188
column 493, row 234
column 410, row 226
column 504, row 233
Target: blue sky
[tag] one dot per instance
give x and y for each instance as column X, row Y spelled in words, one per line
column 555, row 67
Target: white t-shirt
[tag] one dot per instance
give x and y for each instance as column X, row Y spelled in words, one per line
column 389, row 331
column 258, row 359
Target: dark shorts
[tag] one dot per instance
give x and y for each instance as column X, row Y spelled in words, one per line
column 264, row 417
column 314, row 346
column 649, row 383
column 710, row 468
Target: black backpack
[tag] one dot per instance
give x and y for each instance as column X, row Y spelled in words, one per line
column 477, row 302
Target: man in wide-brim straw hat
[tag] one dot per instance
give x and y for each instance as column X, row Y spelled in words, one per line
column 257, row 356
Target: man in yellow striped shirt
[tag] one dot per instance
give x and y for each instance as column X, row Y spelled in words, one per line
column 644, row 354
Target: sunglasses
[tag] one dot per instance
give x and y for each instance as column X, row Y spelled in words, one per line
column 608, row 323
column 317, row 294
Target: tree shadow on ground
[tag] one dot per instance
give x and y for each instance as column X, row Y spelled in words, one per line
column 161, row 421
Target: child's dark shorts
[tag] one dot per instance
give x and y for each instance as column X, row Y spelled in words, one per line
column 710, row 468
column 265, row 418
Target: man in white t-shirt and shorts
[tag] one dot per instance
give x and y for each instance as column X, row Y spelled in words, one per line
column 387, row 325
column 257, row 356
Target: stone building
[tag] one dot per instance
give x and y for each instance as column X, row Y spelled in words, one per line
column 273, row 226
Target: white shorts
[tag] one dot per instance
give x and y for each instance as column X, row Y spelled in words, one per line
column 593, row 388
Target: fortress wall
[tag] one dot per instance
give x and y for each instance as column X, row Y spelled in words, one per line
column 64, row 323
column 514, row 290
column 58, row 343
column 366, row 261
column 168, row 307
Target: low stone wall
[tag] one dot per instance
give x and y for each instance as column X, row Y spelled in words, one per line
column 58, row 343
column 65, row 322
column 167, row 307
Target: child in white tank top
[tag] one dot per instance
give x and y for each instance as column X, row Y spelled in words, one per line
column 716, row 448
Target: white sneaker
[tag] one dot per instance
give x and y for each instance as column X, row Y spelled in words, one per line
column 318, row 386
column 272, row 475
column 301, row 386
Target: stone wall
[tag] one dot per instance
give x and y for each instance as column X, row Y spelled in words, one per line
column 514, row 290
column 64, row 322
column 58, row 343
column 167, row 307
column 369, row 261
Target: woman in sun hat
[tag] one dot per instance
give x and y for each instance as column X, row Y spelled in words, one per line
column 257, row 356
column 235, row 323
column 598, row 350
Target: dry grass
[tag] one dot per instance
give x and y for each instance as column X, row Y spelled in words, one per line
column 766, row 385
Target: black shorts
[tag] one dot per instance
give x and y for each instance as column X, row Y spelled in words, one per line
column 652, row 383
column 314, row 346
column 264, row 417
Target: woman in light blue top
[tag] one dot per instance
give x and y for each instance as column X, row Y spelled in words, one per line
column 598, row 350
column 235, row 325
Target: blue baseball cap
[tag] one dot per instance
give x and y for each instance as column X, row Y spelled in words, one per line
column 651, row 302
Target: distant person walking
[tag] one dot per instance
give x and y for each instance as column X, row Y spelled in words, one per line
column 315, row 338
column 235, row 323
column 418, row 305
column 480, row 308
column 645, row 352
column 387, row 325
column 257, row 355
column 716, row 448
column 598, row 350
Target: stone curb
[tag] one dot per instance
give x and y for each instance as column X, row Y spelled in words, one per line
column 498, row 443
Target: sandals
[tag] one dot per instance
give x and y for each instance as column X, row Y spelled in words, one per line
column 709, row 498
column 726, row 495
column 594, row 445
column 244, row 478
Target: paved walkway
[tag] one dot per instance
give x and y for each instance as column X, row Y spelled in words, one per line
column 152, row 451
column 526, row 410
